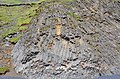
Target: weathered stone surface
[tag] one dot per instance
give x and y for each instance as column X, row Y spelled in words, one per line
column 110, row 77
column 87, row 46
column 7, row 77
column 1, row 56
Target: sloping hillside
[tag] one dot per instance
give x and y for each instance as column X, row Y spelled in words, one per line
column 76, row 39
column 14, row 21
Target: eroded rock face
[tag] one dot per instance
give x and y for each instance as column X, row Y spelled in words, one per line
column 72, row 40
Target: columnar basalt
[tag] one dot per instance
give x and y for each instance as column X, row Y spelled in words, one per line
column 71, row 40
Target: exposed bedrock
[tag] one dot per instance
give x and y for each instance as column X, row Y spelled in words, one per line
column 71, row 40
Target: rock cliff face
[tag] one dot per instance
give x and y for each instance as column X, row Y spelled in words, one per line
column 71, row 40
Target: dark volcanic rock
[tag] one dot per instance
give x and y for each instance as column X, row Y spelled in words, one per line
column 71, row 40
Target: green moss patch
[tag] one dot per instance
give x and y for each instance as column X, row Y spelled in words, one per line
column 15, row 18
column 23, row 28
column 12, row 30
column 18, row 14
column 7, row 31
column 4, row 70
column 15, row 39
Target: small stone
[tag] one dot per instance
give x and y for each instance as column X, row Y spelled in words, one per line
column 7, row 51
column 7, row 38
column 7, row 44
column 64, row 17
column 1, row 56
column 1, row 65
column 7, row 56
column 6, row 60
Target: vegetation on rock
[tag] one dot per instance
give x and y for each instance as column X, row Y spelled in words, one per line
column 16, row 18
column 15, row 39
column 4, row 70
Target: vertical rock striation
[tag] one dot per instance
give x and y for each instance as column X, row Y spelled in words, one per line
column 71, row 40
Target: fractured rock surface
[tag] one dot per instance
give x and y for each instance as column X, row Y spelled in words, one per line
column 71, row 40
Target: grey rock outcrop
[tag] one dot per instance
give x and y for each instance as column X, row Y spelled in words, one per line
column 71, row 40
column 7, row 77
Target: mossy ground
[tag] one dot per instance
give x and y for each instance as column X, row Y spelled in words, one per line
column 16, row 1
column 20, row 1
column 16, row 18
column 15, row 39
column 3, row 70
